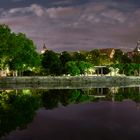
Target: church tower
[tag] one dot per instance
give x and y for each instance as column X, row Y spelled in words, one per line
column 137, row 49
column 43, row 49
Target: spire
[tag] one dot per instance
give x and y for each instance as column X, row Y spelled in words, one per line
column 137, row 49
column 43, row 48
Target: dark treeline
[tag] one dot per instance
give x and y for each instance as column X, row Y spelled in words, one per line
column 77, row 63
column 18, row 56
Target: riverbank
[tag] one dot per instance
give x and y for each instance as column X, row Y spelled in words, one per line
column 69, row 81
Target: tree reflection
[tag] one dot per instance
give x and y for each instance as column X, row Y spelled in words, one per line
column 128, row 93
column 17, row 109
column 69, row 96
column 52, row 98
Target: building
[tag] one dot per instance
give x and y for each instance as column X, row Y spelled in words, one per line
column 136, row 51
column 108, row 52
column 44, row 49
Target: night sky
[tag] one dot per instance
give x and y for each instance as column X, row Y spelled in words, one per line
column 75, row 24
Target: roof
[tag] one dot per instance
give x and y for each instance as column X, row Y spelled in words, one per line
column 107, row 50
column 99, row 66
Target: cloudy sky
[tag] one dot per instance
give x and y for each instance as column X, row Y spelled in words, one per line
column 75, row 24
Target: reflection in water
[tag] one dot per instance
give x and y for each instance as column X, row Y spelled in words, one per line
column 18, row 107
column 53, row 98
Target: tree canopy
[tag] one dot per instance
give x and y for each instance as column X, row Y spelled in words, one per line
column 17, row 51
column 51, row 63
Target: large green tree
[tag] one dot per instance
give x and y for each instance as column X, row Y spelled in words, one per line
column 24, row 56
column 72, row 68
column 51, row 63
column 5, row 37
column 17, row 51
column 84, row 66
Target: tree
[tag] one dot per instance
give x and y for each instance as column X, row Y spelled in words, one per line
column 65, row 57
column 137, row 70
column 17, row 52
column 78, row 56
column 104, row 60
column 23, row 56
column 72, row 68
column 84, row 66
column 125, row 59
column 118, row 56
column 5, row 36
column 136, row 58
column 51, row 63
column 94, row 57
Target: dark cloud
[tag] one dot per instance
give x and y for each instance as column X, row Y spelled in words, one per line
column 47, row 3
column 75, row 24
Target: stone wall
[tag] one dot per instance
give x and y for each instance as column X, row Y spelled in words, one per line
column 68, row 82
column 69, row 79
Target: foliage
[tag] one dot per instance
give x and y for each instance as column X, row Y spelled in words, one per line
column 77, row 67
column 78, row 56
column 136, row 59
column 84, row 66
column 118, row 56
column 125, row 59
column 72, row 68
column 17, row 52
column 65, row 57
column 51, row 63
column 5, row 37
column 105, row 60
column 94, row 57
column 24, row 55
column 128, row 68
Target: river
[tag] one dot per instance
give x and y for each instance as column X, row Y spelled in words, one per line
column 70, row 114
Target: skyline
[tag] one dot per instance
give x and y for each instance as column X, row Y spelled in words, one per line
column 75, row 24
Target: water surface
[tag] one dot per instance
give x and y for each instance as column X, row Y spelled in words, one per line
column 70, row 114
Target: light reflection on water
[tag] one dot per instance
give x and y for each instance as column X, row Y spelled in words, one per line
column 70, row 114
